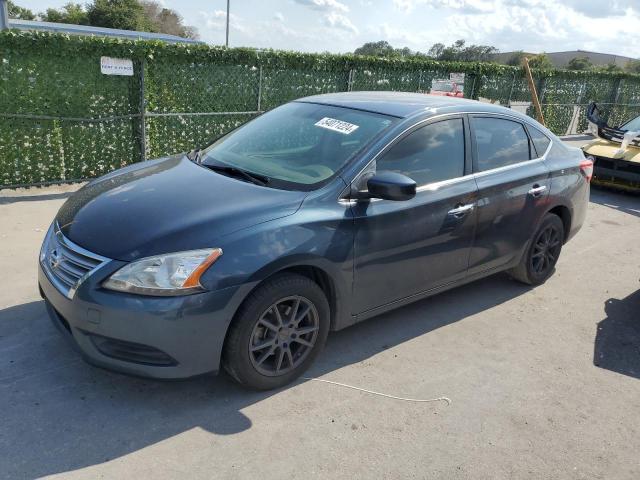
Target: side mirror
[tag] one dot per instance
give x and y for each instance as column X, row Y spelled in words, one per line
column 391, row 186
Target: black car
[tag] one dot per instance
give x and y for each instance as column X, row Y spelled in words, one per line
column 314, row 216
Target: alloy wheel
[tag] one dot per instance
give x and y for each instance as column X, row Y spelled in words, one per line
column 546, row 250
column 284, row 336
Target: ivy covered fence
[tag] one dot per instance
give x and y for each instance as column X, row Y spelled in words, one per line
column 61, row 119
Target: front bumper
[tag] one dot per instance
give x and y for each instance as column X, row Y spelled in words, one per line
column 159, row 337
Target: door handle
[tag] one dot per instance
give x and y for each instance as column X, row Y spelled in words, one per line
column 537, row 190
column 461, row 210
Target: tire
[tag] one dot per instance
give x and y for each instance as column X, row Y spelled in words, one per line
column 539, row 261
column 266, row 347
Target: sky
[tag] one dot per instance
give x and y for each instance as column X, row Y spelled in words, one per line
column 608, row 26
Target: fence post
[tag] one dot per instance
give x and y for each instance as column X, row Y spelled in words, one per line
column 260, row 89
column 4, row 15
column 542, row 86
column 420, row 82
column 473, row 85
column 143, row 113
column 350, row 80
column 575, row 115
column 616, row 91
column 513, row 83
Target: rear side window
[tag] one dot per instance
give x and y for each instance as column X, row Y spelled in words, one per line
column 499, row 142
column 540, row 140
column 430, row 154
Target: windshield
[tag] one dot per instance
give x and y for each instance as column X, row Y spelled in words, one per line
column 297, row 145
column 632, row 125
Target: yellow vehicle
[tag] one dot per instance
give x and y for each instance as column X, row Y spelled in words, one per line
column 615, row 153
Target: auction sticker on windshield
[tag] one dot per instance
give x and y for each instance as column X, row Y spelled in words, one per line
column 337, row 125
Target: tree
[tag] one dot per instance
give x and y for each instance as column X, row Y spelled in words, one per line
column 579, row 63
column 376, row 49
column 72, row 13
column 122, row 14
column 609, row 68
column 436, row 50
column 384, row 49
column 405, row 52
column 515, row 60
column 633, row 66
column 541, row 61
column 477, row 53
column 20, row 13
column 165, row 20
column 146, row 16
column 458, row 51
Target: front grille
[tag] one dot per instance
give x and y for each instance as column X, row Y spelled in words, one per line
column 616, row 135
column 66, row 264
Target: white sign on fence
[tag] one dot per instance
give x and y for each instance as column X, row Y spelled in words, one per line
column 458, row 78
column 116, row 66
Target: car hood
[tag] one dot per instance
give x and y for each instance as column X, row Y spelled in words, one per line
column 604, row 148
column 164, row 206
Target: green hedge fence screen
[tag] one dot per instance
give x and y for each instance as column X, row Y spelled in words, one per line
column 61, row 119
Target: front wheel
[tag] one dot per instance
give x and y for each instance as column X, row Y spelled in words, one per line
column 539, row 262
column 277, row 333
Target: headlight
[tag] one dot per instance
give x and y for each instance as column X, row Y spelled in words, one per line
column 164, row 275
column 45, row 243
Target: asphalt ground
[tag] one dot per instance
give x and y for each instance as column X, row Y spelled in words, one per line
column 544, row 382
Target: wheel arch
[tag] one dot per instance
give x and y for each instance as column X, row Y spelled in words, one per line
column 565, row 215
column 321, row 278
column 313, row 268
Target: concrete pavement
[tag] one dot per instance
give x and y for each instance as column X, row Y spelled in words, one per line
column 545, row 382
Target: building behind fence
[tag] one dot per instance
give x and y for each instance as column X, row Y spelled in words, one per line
column 61, row 119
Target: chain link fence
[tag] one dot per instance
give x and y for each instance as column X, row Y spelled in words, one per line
column 62, row 120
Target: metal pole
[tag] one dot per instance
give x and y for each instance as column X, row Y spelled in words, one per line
column 573, row 124
column 260, row 89
column 513, row 84
column 4, row 15
column 473, row 86
column 227, row 42
column 618, row 86
column 143, row 112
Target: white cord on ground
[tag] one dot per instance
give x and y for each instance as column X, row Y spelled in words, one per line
column 416, row 400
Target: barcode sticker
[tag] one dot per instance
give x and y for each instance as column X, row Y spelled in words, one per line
column 337, row 125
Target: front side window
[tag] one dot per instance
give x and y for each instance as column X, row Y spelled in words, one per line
column 499, row 143
column 432, row 153
column 297, row 145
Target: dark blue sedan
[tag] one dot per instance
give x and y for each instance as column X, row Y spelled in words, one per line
column 314, row 216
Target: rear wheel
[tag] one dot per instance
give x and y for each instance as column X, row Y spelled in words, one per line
column 539, row 262
column 277, row 333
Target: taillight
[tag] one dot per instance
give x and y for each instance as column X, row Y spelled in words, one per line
column 586, row 167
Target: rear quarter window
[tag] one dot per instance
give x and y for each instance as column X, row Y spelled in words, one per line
column 540, row 140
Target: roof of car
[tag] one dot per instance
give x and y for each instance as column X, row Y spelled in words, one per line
column 402, row 104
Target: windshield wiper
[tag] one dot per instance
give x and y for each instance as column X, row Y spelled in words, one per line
column 195, row 155
column 238, row 172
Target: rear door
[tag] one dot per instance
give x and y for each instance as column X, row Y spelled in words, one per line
column 407, row 247
column 513, row 184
